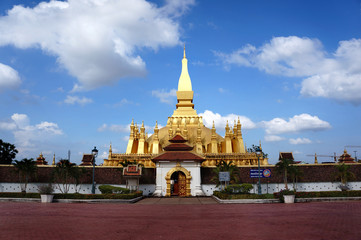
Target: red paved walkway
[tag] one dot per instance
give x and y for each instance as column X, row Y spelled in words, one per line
column 337, row 220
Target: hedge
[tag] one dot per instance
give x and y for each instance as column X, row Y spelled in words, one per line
column 73, row 195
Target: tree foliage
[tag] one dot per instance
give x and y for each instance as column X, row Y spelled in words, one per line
column 67, row 173
column 343, row 173
column 26, row 168
column 253, row 149
column 284, row 166
column 7, row 152
column 223, row 166
column 296, row 174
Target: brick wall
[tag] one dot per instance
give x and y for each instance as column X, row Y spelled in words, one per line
column 103, row 175
column 111, row 175
column 311, row 173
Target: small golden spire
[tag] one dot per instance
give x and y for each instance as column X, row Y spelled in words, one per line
column 156, row 124
column 53, row 160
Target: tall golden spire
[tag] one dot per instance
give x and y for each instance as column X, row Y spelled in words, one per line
column 184, row 83
column 185, row 106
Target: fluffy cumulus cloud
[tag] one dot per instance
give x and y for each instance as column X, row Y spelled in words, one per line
column 296, row 141
column 97, row 42
column 124, row 128
column 77, row 100
column 221, row 121
column 27, row 136
column 9, row 77
column 296, row 124
column 331, row 75
column 273, row 138
column 165, row 96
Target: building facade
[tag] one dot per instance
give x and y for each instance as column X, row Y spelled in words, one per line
column 179, row 150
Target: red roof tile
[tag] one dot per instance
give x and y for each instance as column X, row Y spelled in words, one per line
column 178, row 155
column 178, row 147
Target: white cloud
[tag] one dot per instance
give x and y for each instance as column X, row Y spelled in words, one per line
column 125, row 128
column 29, row 136
column 296, row 141
column 298, row 123
column 221, row 121
column 330, row 75
column 114, row 128
column 122, row 102
column 77, row 100
column 164, row 96
column 273, row 138
column 9, row 77
column 222, row 90
column 95, row 41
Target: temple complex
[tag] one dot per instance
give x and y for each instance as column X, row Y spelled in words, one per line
column 184, row 145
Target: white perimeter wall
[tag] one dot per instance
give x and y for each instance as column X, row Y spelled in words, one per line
column 84, row 188
column 208, row 189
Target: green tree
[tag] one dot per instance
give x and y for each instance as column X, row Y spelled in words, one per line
column 284, row 166
column 26, row 168
column 343, row 173
column 7, row 152
column 223, row 166
column 295, row 173
column 253, row 149
column 67, row 173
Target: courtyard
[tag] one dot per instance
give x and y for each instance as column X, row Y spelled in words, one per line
column 180, row 218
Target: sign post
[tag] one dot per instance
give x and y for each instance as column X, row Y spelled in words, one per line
column 224, row 177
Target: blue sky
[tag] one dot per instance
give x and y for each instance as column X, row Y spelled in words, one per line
column 74, row 73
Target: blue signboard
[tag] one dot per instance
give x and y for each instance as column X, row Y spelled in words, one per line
column 263, row 173
column 224, row 177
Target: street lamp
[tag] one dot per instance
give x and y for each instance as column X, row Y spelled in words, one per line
column 95, row 154
column 259, row 152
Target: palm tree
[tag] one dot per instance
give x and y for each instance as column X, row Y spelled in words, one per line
column 295, row 173
column 25, row 168
column 284, row 166
column 223, row 166
column 343, row 174
column 66, row 173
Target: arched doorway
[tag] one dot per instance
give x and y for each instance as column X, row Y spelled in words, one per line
column 183, row 177
column 178, row 186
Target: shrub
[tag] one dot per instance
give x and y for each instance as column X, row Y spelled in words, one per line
column 243, row 188
column 19, row 195
column 283, row 192
column 46, row 189
column 98, row 196
column 104, row 189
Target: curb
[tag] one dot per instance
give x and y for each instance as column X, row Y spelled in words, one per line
column 330, row 199
column 242, row 201
column 297, row 200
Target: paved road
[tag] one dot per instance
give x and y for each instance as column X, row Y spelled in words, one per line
column 317, row 220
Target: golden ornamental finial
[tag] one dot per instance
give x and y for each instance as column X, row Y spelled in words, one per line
column 184, row 51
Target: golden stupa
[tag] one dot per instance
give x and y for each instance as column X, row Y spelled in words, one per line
column 186, row 122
